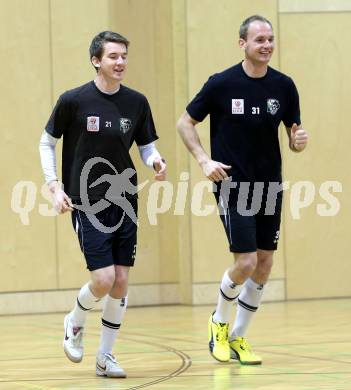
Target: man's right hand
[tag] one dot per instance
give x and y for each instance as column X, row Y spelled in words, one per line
column 62, row 202
column 214, row 170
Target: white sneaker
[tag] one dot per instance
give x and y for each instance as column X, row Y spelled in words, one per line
column 107, row 365
column 73, row 341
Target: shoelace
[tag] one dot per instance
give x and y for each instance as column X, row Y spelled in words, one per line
column 222, row 334
column 245, row 345
column 76, row 330
column 110, row 357
column 77, row 337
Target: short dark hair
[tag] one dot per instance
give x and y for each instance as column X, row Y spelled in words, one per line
column 97, row 44
column 246, row 24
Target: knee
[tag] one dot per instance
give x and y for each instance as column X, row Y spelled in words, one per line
column 247, row 264
column 121, row 280
column 102, row 284
column 120, row 286
column 265, row 263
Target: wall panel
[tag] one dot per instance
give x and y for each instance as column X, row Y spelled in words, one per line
column 317, row 246
column 150, row 71
column 28, row 263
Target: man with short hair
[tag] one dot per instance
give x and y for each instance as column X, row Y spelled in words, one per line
column 246, row 104
column 99, row 122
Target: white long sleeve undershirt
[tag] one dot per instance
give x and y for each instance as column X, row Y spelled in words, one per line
column 47, row 145
column 149, row 154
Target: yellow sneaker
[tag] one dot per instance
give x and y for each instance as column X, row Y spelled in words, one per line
column 218, row 340
column 241, row 350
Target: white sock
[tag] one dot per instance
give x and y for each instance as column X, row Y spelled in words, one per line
column 84, row 303
column 227, row 294
column 248, row 302
column 112, row 317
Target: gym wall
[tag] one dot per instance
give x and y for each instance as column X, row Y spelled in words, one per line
column 175, row 46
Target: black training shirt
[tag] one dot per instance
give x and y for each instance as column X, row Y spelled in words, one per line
column 245, row 113
column 95, row 124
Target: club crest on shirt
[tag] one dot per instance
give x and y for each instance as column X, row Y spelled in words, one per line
column 273, row 106
column 93, row 123
column 237, row 106
column 125, row 125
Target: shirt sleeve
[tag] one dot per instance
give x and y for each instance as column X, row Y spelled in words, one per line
column 60, row 117
column 292, row 113
column 200, row 106
column 146, row 131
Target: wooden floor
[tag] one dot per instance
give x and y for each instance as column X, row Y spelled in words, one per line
column 305, row 346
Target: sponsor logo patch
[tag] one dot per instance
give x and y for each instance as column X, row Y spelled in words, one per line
column 237, row 106
column 93, row 123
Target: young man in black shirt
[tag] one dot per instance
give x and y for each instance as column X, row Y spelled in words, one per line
column 246, row 104
column 99, row 122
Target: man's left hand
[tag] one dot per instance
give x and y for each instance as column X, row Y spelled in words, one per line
column 298, row 138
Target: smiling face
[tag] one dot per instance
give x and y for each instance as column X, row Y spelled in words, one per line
column 259, row 43
column 113, row 63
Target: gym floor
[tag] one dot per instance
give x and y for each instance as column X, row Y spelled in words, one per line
column 305, row 345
